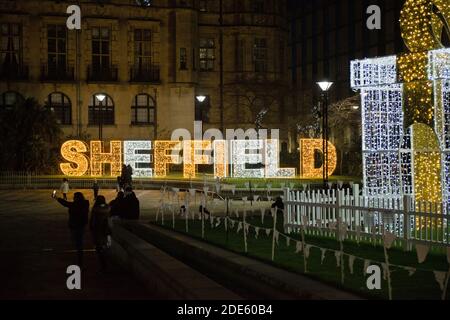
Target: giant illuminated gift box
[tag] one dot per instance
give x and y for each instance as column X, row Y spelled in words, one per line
column 406, row 109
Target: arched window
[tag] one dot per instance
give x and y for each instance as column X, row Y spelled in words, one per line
column 60, row 105
column 101, row 111
column 143, row 110
column 9, row 99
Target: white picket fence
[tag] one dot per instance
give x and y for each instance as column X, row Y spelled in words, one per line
column 367, row 218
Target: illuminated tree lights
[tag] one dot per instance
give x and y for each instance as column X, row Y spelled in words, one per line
column 406, row 110
column 309, row 147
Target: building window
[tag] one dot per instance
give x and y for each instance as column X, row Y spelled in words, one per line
column 260, row 55
column 207, row 54
column 101, row 49
column 101, row 112
column 203, row 5
column 142, row 50
column 258, row 6
column 11, row 53
column 240, row 55
column 143, row 110
column 183, row 59
column 144, row 3
column 56, row 48
column 60, row 105
column 9, row 99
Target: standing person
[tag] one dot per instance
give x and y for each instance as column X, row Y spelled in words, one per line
column 119, row 184
column 64, row 188
column 131, row 209
column 278, row 204
column 117, row 205
column 100, row 229
column 130, row 175
column 95, row 188
column 78, row 219
column 123, row 176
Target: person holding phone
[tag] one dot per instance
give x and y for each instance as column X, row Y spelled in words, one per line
column 78, row 219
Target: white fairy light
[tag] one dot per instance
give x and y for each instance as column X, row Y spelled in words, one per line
column 246, row 152
column 387, row 155
column 134, row 156
column 272, row 162
column 373, row 72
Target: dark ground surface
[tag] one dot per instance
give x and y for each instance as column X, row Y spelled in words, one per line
column 35, row 251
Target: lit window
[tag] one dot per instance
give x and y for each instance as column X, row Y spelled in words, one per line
column 207, row 57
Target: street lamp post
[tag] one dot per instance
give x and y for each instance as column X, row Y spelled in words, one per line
column 100, row 98
column 325, row 87
column 200, row 99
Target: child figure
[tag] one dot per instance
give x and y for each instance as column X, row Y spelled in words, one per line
column 64, row 188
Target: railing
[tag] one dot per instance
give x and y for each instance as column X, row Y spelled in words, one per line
column 31, row 180
column 367, row 218
column 14, row 72
column 49, row 73
column 142, row 74
column 98, row 73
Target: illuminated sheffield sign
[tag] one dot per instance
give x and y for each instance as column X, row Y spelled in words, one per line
column 235, row 158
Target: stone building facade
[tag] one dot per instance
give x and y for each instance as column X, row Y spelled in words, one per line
column 150, row 62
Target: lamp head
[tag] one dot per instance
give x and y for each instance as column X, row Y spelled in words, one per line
column 325, row 85
column 200, row 98
column 100, row 97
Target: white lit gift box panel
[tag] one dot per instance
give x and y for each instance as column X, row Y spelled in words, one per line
column 439, row 64
column 373, row 72
column 382, row 125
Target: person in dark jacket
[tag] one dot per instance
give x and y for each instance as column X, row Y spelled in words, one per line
column 279, row 205
column 202, row 210
column 100, row 229
column 129, row 175
column 131, row 209
column 117, row 205
column 95, row 188
column 78, row 219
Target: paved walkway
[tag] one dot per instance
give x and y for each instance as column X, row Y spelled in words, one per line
column 35, row 251
column 35, row 248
